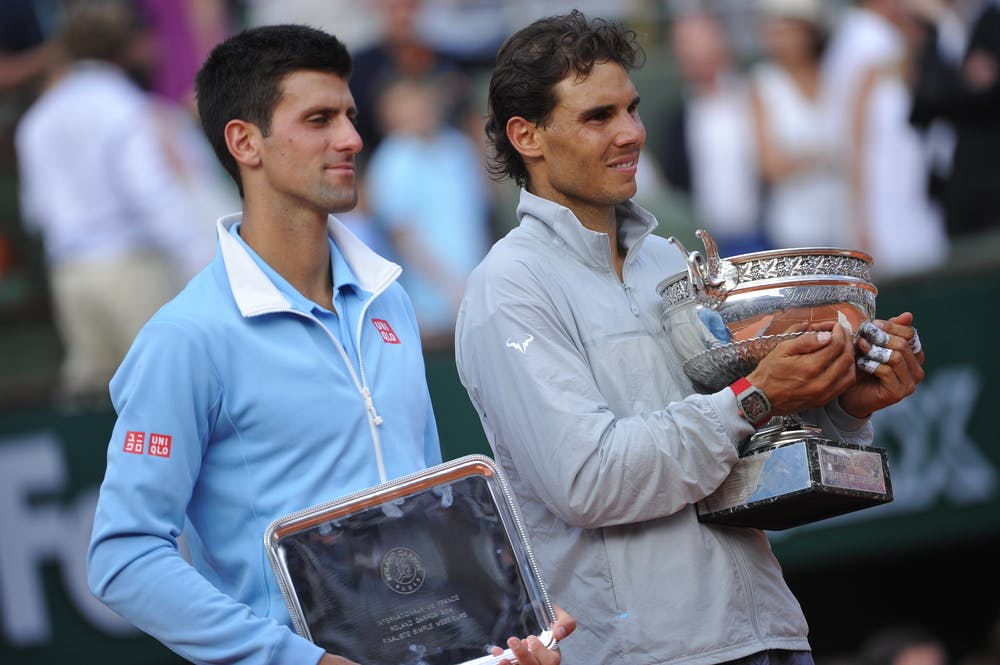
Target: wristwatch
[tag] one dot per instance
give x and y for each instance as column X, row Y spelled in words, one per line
column 752, row 402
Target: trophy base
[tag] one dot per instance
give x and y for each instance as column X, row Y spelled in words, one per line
column 796, row 482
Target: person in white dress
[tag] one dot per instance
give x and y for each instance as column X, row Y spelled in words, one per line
column 805, row 203
column 868, row 100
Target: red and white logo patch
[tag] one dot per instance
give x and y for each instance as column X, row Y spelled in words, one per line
column 388, row 334
column 159, row 445
column 135, row 443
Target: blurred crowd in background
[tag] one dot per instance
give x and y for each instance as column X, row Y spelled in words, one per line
column 871, row 125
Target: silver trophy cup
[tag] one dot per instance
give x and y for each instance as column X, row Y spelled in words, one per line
column 724, row 315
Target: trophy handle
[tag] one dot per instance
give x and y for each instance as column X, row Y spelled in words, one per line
column 704, row 274
column 712, row 260
column 694, row 263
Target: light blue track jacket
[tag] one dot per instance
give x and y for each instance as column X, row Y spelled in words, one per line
column 607, row 447
column 236, row 406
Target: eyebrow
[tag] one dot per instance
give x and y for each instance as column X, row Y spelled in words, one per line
column 605, row 108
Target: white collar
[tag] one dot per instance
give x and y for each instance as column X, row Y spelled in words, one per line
column 253, row 290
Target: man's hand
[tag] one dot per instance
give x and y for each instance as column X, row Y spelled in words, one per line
column 531, row 651
column 894, row 375
column 330, row 659
column 807, row 371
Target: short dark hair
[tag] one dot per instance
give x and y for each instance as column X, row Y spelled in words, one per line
column 242, row 76
column 532, row 61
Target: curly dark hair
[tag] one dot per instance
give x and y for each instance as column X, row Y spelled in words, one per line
column 530, row 64
column 242, row 76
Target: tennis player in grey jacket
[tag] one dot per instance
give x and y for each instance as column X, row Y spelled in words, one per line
column 583, row 398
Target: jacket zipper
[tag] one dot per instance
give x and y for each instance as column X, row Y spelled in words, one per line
column 360, row 383
column 630, row 297
column 741, row 568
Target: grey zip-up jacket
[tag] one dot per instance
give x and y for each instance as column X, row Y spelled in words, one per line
column 608, row 448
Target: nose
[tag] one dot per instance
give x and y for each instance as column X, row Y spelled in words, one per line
column 348, row 139
column 631, row 130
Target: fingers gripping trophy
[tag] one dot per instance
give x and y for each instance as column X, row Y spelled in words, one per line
column 724, row 315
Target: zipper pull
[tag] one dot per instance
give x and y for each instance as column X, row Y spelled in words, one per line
column 370, row 405
column 630, row 297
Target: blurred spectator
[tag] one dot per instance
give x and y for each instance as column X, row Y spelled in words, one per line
column 120, row 230
column 958, row 82
column 25, row 54
column 806, row 201
column 709, row 153
column 184, row 31
column 427, row 186
column 526, row 11
column 469, row 32
column 942, row 44
column 868, row 100
column 402, row 51
column 354, row 22
column 864, row 36
column 903, row 644
column 25, row 57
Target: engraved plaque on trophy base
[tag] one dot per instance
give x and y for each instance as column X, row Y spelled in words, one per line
column 430, row 569
column 787, row 484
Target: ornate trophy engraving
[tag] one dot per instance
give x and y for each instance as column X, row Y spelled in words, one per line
column 430, row 569
column 724, row 315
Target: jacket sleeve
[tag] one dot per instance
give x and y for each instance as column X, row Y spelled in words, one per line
column 167, row 385
column 839, row 425
column 548, row 422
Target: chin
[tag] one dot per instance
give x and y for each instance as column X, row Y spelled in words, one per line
column 624, row 196
column 343, row 205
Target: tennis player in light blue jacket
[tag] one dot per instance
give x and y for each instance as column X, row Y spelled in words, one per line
column 286, row 374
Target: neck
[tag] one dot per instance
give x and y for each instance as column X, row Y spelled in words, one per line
column 604, row 221
column 296, row 247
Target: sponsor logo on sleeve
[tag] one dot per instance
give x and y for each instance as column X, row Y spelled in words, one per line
column 159, row 445
column 135, row 443
column 388, row 334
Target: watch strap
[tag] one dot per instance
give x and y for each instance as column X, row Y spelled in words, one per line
column 740, row 385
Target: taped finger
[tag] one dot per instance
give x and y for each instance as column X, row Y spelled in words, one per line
column 914, row 343
column 868, row 365
column 873, row 333
column 879, row 354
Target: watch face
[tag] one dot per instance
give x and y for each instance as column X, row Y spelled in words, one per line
column 755, row 405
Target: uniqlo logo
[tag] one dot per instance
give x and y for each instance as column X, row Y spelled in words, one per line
column 135, row 442
column 384, row 329
column 159, row 445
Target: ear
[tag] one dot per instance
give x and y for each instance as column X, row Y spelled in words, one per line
column 243, row 139
column 525, row 136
